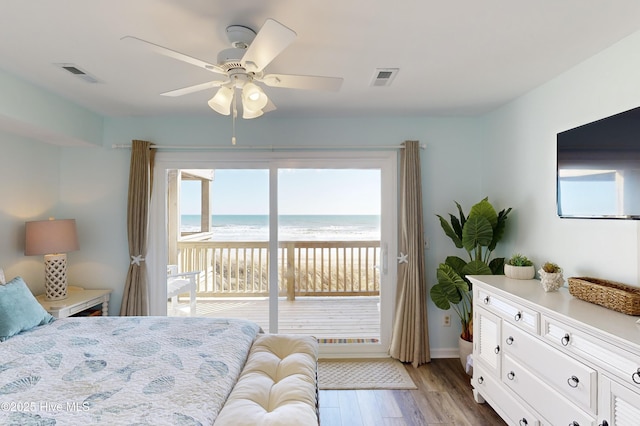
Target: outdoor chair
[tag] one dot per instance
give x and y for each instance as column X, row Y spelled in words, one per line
column 179, row 283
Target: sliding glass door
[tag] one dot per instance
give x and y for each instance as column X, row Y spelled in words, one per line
column 329, row 237
column 224, row 238
column 298, row 245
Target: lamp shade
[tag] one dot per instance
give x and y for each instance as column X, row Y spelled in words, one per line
column 221, row 102
column 248, row 114
column 253, row 97
column 50, row 236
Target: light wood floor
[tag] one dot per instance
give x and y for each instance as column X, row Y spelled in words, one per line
column 322, row 317
column 443, row 398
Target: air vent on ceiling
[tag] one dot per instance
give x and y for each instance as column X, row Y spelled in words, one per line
column 384, row 76
column 78, row 72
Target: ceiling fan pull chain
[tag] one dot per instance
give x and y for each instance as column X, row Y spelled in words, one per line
column 233, row 119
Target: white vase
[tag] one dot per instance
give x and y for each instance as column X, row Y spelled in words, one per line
column 465, row 348
column 519, row 272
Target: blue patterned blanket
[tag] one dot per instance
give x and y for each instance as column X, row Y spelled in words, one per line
column 122, row 370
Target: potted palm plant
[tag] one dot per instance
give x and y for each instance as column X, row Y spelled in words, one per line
column 477, row 234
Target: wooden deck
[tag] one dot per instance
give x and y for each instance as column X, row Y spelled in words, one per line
column 355, row 317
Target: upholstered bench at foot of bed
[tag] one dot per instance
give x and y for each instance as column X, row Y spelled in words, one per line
column 277, row 385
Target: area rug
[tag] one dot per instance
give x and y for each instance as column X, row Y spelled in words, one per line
column 363, row 374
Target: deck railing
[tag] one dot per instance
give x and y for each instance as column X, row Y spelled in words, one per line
column 305, row 268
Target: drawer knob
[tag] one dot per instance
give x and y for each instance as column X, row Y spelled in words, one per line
column 565, row 339
column 486, row 300
column 480, row 379
column 636, row 377
column 497, row 349
column 518, row 316
column 510, row 340
column 523, row 422
column 574, row 423
column 511, row 375
column 573, row 381
column 604, row 423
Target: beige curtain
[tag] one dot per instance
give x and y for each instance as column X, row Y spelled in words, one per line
column 135, row 300
column 410, row 336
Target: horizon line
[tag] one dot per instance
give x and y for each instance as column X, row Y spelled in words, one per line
column 284, row 214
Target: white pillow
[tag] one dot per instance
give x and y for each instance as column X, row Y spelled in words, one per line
column 2, row 280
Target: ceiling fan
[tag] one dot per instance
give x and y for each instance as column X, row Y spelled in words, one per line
column 242, row 65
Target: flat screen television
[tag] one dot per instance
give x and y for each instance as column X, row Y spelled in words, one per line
column 598, row 168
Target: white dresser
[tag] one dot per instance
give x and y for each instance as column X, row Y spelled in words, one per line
column 551, row 359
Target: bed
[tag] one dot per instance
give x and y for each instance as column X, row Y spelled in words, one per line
column 153, row 370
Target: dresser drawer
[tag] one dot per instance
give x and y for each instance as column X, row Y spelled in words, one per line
column 503, row 400
column 575, row 380
column 554, row 408
column 523, row 317
column 622, row 363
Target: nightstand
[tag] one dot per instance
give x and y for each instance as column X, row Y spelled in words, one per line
column 78, row 300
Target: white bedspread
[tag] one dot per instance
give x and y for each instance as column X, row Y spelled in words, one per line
column 122, row 370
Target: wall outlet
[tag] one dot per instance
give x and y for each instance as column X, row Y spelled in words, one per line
column 446, row 320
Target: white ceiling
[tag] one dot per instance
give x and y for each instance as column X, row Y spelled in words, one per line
column 455, row 57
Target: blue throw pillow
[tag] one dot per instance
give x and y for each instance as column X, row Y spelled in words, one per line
column 19, row 309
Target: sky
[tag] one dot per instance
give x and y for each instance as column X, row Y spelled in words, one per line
column 300, row 191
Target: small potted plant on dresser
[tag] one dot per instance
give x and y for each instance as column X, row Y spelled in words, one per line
column 551, row 276
column 519, row 267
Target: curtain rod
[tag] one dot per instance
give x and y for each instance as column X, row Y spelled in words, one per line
column 265, row 148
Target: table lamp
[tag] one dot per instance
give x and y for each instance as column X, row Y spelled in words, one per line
column 53, row 239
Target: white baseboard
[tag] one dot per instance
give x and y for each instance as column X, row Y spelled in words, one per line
column 445, row 353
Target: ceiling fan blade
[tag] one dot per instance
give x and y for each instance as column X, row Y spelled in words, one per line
column 307, row 82
column 195, row 88
column 270, row 41
column 173, row 54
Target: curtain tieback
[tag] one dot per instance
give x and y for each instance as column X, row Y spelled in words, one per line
column 135, row 260
column 403, row 258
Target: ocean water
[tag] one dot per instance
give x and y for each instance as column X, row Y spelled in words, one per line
column 290, row 227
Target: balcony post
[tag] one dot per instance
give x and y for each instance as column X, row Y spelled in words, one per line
column 290, row 273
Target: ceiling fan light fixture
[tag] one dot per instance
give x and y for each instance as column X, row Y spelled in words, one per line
column 249, row 113
column 221, row 102
column 242, row 65
column 253, row 97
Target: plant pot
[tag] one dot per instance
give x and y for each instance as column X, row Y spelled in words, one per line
column 519, row 272
column 551, row 281
column 465, row 348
